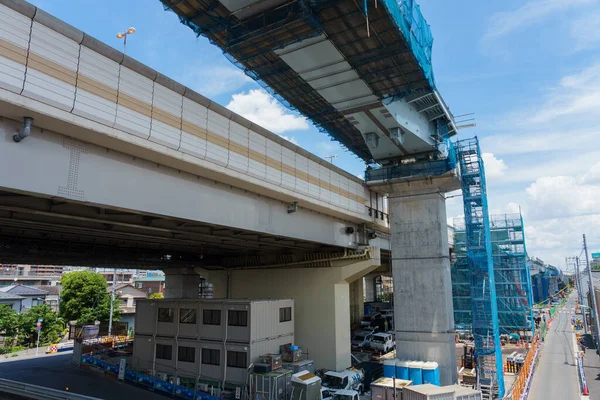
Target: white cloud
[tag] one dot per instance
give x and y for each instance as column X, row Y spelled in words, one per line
column 262, row 109
column 215, row 80
column 533, row 140
column 504, row 23
column 576, row 95
column 494, row 167
column 585, row 32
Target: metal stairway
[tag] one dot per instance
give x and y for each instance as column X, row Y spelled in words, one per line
column 488, row 354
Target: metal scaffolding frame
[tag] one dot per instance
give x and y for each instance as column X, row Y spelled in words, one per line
column 512, row 275
column 478, row 249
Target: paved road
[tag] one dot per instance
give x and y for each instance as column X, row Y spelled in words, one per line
column 56, row 372
column 556, row 375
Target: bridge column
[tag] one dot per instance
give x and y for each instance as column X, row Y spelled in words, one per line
column 370, row 288
column 357, row 301
column 321, row 299
column 423, row 311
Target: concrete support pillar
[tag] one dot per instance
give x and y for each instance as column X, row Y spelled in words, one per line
column 321, row 302
column 423, row 311
column 357, row 301
column 370, row 290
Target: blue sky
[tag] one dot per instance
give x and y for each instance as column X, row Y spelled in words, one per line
column 529, row 70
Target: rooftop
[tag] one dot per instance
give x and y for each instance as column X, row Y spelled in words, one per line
column 150, row 279
column 23, row 290
column 10, row 296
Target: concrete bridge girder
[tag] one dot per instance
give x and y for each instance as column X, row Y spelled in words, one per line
column 85, row 173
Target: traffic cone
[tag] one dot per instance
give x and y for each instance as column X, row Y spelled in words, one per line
column 585, row 390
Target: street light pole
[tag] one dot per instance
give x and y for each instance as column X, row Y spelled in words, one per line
column 120, row 35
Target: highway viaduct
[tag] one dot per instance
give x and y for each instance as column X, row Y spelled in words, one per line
column 120, row 166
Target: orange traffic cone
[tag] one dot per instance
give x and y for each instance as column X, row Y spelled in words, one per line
column 585, row 390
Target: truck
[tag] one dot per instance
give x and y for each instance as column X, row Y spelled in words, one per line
column 382, row 342
column 361, row 339
column 348, row 379
column 307, row 386
column 345, row 395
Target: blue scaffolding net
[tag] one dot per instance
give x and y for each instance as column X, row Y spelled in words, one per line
column 478, row 250
column 514, row 290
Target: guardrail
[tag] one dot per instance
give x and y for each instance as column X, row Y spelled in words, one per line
column 39, row 392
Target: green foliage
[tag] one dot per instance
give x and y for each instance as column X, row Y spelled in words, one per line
column 84, row 298
column 157, row 296
column 9, row 322
column 52, row 325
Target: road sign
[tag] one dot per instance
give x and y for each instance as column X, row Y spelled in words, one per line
column 41, row 320
column 122, row 365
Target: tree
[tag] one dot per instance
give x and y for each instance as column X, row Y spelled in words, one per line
column 84, row 298
column 52, row 325
column 9, row 323
column 157, row 296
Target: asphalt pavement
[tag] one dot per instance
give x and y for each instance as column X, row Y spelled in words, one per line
column 556, row 374
column 56, row 372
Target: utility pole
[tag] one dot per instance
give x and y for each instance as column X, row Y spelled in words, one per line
column 592, row 294
column 112, row 302
column 580, row 293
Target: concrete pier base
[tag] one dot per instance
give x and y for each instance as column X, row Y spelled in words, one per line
column 423, row 312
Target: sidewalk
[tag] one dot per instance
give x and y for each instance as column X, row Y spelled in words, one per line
column 591, row 367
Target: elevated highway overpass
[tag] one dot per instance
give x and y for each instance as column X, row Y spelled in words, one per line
column 120, row 166
column 362, row 72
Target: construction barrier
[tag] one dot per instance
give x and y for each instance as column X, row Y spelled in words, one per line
column 145, row 381
column 53, row 348
column 525, row 372
column 583, row 387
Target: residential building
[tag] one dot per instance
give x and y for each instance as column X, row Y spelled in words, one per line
column 215, row 339
column 122, row 276
column 32, row 296
column 128, row 296
column 12, row 300
column 27, row 275
column 53, row 296
column 150, row 284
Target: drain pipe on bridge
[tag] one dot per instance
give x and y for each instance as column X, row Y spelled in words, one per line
column 27, row 123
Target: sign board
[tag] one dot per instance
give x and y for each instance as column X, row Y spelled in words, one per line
column 122, row 365
column 89, row 331
column 238, row 392
column 41, row 320
column 595, row 255
column 38, row 326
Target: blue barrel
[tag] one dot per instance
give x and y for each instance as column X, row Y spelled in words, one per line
column 415, row 372
column 389, row 368
column 431, row 373
column 402, row 369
